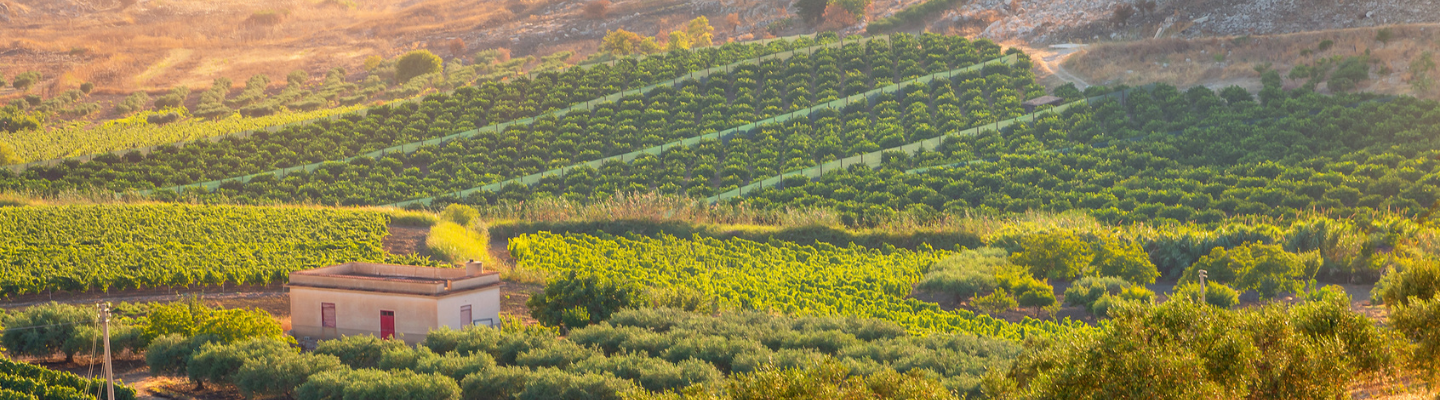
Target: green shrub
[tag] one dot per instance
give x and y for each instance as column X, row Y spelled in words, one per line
column 133, row 103
column 1418, row 320
column 44, row 330
column 995, row 303
column 1267, row 269
column 218, row 362
column 283, row 373
column 1411, row 280
column 598, row 295
column 1216, row 294
column 1087, row 290
column 1124, row 260
column 369, row 384
column 359, row 351
column 460, row 214
column 170, row 354
column 1056, row 255
column 416, row 63
column 965, row 274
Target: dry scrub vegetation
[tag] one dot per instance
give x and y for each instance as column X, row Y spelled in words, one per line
column 157, row 44
column 1232, row 60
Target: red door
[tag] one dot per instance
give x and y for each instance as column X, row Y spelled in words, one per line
column 387, row 324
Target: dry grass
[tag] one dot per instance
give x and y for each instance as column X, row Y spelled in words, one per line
column 1189, row 62
column 163, row 43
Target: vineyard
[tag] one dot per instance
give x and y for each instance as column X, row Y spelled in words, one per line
column 693, row 110
column 393, row 125
column 79, row 248
column 26, row 381
column 819, row 280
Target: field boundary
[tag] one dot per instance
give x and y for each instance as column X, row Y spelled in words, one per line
column 725, row 134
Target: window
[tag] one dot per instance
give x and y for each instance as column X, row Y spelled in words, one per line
column 465, row 316
column 327, row 315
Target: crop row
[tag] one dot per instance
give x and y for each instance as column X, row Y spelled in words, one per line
column 20, row 380
column 665, row 115
column 1166, row 157
column 78, row 248
column 381, row 127
column 819, row 280
column 916, row 112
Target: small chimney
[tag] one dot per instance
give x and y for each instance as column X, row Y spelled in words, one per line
column 473, row 268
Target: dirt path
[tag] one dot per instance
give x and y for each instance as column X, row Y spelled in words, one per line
column 405, row 239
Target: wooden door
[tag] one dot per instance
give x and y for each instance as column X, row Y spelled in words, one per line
column 387, row 324
column 466, row 317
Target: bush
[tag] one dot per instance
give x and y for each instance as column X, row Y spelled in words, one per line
column 1418, row 320
column 369, row 384
column 170, row 354
column 359, row 351
column 1086, row 291
column 1411, row 280
column 134, row 102
column 282, row 374
column 1128, row 261
column 416, row 63
column 43, row 330
column 1266, row 269
column 192, row 318
column 995, row 303
column 1202, row 352
column 460, row 214
column 964, row 275
column 86, row 87
column 174, row 98
column 1059, row 255
column 1216, row 294
column 599, row 296
column 218, row 362
column 504, row 383
column 25, row 80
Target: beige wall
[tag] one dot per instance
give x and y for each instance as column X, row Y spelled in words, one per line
column 483, row 304
column 358, row 312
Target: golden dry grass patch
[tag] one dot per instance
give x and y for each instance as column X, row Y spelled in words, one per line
column 1225, row 60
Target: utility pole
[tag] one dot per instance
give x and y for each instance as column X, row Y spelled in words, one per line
column 109, row 371
column 1202, row 285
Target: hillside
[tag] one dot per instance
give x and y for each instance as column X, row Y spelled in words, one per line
column 1209, row 196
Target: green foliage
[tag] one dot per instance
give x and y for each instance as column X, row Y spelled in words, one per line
column 174, row 98
column 27, row 381
column 1349, row 73
column 370, row 384
column 1418, row 320
column 25, row 80
column 577, row 299
column 460, row 214
column 86, row 87
column 910, row 15
column 810, row 10
column 1216, row 294
column 1384, row 35
column 281, row 373
column 359, row 351
column 257, row 245
column 1412, row 280
column 135, row 102
column 1069, row 92
column 825, row 379
column 1055, row 255
column 416, row 63
column 171, row 354
column 191, row 318
column 821, row 279
column 1086, row 291
column 966, row 274
column 1310, row 351
column 996, row 302
column 218, row 362
column 1125, row 260
column 43, row 330
column 1267, row 269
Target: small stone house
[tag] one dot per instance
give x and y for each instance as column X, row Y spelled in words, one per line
column 391, row 300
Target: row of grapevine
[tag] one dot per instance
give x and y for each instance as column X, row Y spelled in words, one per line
column 638, row 122
column 819, row 279
column 78, row 248
column 710, row 166
column 377, row 128
column 20, row 380
column 587, row 106
column 867, row 99
column 1339, row 155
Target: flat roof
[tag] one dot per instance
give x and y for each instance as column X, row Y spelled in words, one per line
column 391, row 278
